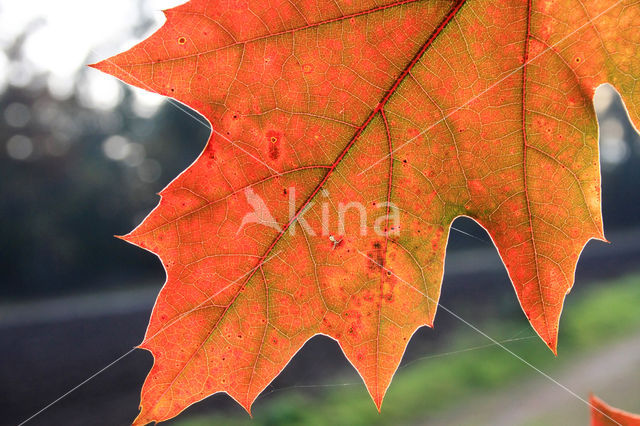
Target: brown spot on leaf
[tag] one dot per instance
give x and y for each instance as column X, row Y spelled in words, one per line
column 376, row 257
column 274, row 139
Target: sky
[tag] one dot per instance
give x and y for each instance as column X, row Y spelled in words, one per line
column 63, row 36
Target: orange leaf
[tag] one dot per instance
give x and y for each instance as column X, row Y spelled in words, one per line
column 347, row 136
column 603, row 414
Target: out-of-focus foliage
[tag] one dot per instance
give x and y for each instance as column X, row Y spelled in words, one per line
column 79, row 162
column 68, row 185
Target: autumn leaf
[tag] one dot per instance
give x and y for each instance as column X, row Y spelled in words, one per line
column 347, row 136
column 603, row 414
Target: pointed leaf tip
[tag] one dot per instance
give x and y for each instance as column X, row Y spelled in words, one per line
column 102, row 66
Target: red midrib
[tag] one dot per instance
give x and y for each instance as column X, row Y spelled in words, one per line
column 379, row 109
column 450, row 15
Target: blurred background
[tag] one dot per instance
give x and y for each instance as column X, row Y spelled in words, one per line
column 82, row 157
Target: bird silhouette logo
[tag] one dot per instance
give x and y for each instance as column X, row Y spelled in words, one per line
column 260, row 213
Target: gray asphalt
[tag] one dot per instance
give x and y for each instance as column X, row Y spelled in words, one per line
column 48, row 347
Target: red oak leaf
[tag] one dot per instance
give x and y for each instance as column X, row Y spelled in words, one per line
column 603, row 414
column 347, row 136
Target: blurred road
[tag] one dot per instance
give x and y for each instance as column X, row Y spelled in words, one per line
column 613, row 373
column 51, row 346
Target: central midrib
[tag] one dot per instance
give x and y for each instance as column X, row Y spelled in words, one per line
column 450, row 15
column 436, row 32
column 455, row 8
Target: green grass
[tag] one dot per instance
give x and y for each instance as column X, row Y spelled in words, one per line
column 604, row 312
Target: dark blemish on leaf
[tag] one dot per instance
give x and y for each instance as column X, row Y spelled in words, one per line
column 274, row 150
column 182, row 40
column 376, row 257
column 274, row 139
column 285, row 192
